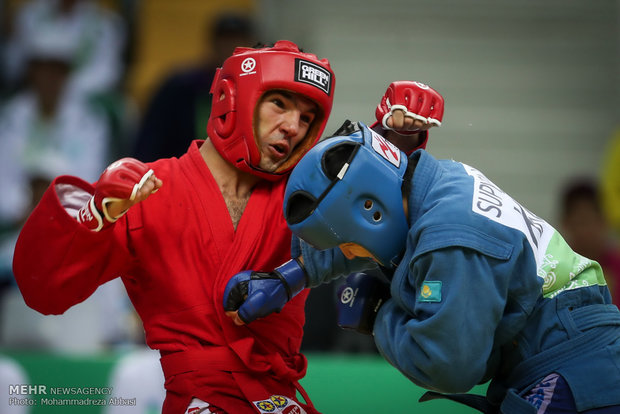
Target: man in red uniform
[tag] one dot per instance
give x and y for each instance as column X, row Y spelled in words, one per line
column 217, row 211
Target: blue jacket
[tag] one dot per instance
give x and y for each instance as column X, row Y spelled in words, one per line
column 486, row 290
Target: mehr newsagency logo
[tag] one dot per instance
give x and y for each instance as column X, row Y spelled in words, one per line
column 313, row 74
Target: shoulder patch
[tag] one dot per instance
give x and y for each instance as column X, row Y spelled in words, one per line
column 430, row 292
column 385, row 148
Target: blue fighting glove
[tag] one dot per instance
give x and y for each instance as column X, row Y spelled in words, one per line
column 359, row 300
column 251, row 295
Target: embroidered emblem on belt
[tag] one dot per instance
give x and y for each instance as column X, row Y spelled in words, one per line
column 278, row 404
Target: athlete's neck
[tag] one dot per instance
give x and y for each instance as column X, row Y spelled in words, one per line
column 235, row 185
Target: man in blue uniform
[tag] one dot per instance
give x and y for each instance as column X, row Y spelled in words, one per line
column 480, row 288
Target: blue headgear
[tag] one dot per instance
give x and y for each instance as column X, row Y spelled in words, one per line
column 347, row 189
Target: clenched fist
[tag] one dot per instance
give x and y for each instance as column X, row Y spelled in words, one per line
column 408, row 107
column 124, row 183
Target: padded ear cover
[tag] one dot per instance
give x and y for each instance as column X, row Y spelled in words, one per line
column 223, row 114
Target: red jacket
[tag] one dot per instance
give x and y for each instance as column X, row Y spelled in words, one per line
column 175, row 252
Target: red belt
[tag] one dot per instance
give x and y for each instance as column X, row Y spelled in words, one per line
column 217, row 358
column 225, row 359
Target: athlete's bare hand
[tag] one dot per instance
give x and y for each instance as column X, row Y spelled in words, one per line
column 150, row 186
column 234, row 315
column 400, row 122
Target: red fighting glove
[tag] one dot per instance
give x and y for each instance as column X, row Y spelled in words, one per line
column 120, row 181
column 417, row 100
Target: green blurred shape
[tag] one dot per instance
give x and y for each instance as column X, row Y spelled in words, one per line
column 65, row 371
column 347, row 384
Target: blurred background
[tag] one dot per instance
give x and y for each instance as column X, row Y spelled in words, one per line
column 532, row 92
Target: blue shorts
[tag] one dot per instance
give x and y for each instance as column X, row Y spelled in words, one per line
column 552, row 395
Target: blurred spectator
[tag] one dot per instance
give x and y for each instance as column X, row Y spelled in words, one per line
column 99, row 34
column 586, row 230
column 180, row 107
column 45, row 131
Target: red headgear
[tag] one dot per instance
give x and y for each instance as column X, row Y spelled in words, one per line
column 240, row 83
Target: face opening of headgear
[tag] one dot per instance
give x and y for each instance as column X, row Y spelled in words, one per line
column 347, row 189
column 242, row 81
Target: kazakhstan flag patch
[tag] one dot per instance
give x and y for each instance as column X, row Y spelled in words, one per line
column 430, row 292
